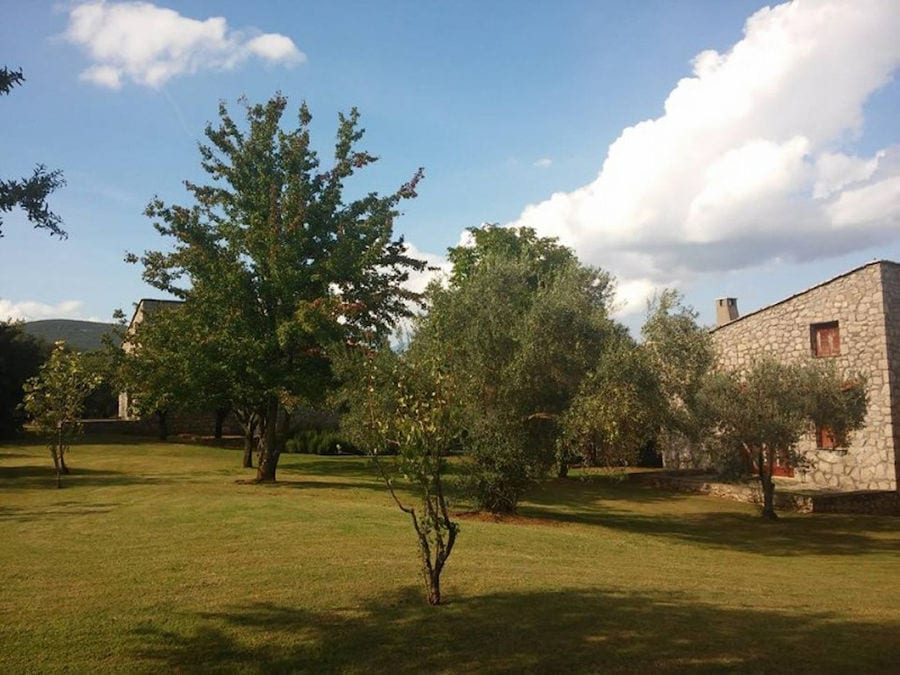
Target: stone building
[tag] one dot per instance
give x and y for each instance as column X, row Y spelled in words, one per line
column 145, row 307
column 853, row 319
column 179, row 421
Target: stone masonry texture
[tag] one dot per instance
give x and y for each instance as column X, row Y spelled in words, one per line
column 865, row 303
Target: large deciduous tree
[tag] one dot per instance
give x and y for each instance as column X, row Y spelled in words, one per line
column 277, row 265
column 55, row 399
column 31, row 193
column 761, row 413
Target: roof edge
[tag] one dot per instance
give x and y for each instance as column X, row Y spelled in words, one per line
column 808, row 290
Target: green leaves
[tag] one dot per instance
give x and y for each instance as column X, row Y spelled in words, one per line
column 274, row 262
column 517, row 330
column 30, row 194
column 55, row 399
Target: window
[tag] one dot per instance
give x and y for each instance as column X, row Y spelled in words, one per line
column 825, row 339
column 825, row 439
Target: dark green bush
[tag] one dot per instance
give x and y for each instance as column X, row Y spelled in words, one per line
column 320, row 442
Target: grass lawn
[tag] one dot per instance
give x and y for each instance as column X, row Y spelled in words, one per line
column 153, row 559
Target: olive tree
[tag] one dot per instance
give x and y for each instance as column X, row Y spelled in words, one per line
column 762, row 412
column 517, row 329
column 681, row 353
column 617, row 410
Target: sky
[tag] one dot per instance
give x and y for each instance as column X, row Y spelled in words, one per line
column 722, row 148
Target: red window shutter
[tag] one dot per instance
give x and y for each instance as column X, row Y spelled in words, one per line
column 825, row 438
column 826, row 339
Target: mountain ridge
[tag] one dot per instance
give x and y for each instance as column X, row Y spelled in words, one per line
column 79, row 335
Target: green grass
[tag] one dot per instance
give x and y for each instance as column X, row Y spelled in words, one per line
column 154, row 559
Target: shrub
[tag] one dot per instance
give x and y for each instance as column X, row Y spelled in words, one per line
column 320, row 442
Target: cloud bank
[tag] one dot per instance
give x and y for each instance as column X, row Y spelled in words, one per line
column 749, row 162
column 148, row 45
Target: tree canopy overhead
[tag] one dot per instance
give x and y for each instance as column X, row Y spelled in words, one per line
column 30, row 194
column 274, row 264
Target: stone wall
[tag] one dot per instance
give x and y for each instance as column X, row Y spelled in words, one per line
column 180, row 423
column 858, row 301
column 869, row 502
column 890, row 282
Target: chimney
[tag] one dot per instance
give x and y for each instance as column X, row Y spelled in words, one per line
column 726, row 310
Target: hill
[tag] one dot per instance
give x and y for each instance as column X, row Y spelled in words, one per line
column 80, row 335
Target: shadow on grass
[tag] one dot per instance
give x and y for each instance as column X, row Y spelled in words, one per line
column 13, row 455
column 43, row 476
column 59, row 509
column 290, row 483
column 567, row 631
column 793, row 535
column 338, row 466
column 580, row 491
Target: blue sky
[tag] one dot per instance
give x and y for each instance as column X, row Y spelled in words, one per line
column 719, row 147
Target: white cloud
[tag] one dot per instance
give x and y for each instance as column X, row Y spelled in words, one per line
column 544, row 163
column 149, row 45
column 631, row 296
column 28, row 310
column 437, row 267
column 749, row 162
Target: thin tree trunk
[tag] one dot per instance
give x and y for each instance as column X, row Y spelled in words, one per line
column 63, row 469
column 269, row 451
column 162, row 419
column 249, row 437
column 562, row 463
column 434, row 589
column 768, row 485
column 249, row 422
column 55, row 455
column 221, row 414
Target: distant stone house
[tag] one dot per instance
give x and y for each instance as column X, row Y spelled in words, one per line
column 853, row 319
column 145, row 307
column 181, row 421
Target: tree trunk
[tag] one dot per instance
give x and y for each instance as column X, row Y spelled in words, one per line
column 768, row 486
column 221, row 414
column 249, row 422
column 55, row 455
column 249, row 434
column 63, row 469
column 162, row 419
column 270, row 451
column 433, row 584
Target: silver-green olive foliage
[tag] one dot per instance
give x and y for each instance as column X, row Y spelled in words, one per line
column 761, row 413
column 518, row 327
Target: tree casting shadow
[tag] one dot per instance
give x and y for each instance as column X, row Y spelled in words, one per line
column 609, row 502
column 566, row 631
column 43, row 476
